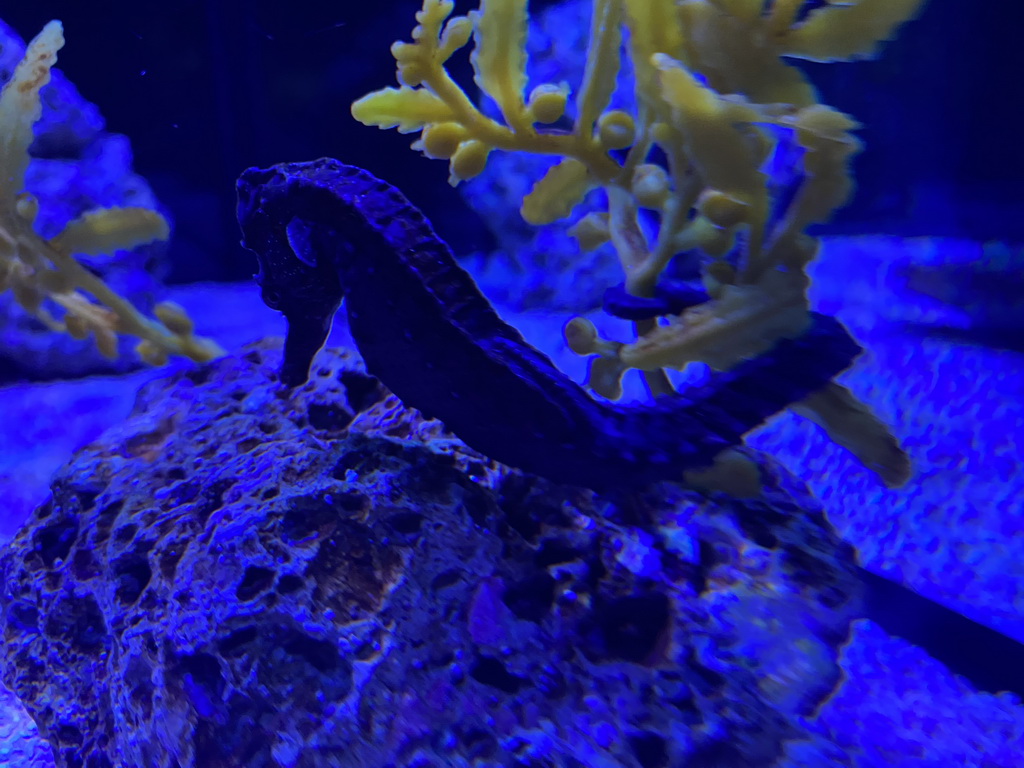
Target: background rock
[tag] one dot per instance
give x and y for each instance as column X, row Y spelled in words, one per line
column 77, row 166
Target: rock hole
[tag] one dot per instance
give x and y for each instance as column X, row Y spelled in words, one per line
column 329, row 417
column 516, row 500
column 364, row 457
column 23, row 617
column 289, row 583
column 168, row 560
column 246, row 445
column 320, row 654
column 632, row 626
column 706, row 682
column 255, row 581
column 532, row 597
column 125, row 533
column 78, row 622
column 552, row 682
column 54, row 542
column 758, row 522
column 98, row 760
column 715, row 755
column 105, row 519
column 202, row 682
column 199, row 375
column 361, row 391
column 803, row 566
column 86, row 499
column 68, row 734
column 406, row 523
column 649, row 749
column 352, row 501
column 231, row 645
column 555, row 552
column 212, row 499
column 479, row 745
column 490, row 671
column 446, row 579
column 305, row 517
column 132, row 574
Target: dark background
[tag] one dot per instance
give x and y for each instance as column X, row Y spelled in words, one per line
column 205, row 88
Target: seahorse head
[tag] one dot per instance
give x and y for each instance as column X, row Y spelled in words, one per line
column 295, row 277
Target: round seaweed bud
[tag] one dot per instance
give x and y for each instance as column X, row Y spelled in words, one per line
column 441, row 140
column 616, row 129
column 721, row 209
column 469, row 160
column 650, row 185
column 547, row 103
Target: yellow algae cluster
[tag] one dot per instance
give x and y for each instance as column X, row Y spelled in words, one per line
column 43, row 274
column 714, row 95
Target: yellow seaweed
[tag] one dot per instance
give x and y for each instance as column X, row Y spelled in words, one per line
column 847, row 30
column 714, row 93
column 499, row 58
column 43, row 274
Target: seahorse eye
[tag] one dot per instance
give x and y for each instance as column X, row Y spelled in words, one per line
column 271, row 298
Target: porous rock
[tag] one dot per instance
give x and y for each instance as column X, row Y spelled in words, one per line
column 235, row 576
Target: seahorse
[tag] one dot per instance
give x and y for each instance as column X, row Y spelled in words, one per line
column 324, row 232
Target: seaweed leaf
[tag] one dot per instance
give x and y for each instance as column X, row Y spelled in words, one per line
column 106, row 230
column 782, row 15
column 824, row 134
column 717, row 148
column 737, row 56
column 408, row 109
column 654, row 27
column 499, row 58
column 850, row 30
column 747, row 11
column 603, row 62
column 557, row 193
column 20, row 107
column 851, row 424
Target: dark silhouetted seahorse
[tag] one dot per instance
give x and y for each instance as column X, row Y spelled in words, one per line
column 323, row 231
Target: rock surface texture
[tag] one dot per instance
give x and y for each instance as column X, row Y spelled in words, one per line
column 235, row 577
